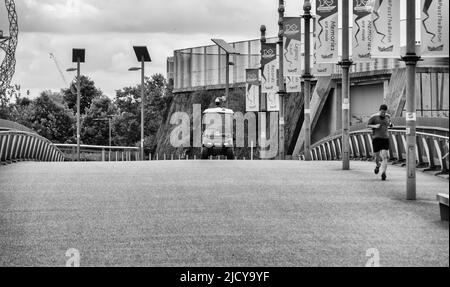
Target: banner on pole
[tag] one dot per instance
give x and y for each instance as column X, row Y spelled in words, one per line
column 292, row 46
column 321, row 69
column 326, row 42
column 362, row 30
column 435, row 40
column 293, row 83
column 273, row 102
column 269, row 66
column 386, row 29
column 252, row 90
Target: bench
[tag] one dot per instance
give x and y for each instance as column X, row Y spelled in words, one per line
column 443, row 205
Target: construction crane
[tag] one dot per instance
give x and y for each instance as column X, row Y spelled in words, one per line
column 52, row 56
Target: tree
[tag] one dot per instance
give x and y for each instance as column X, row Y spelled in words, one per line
column 88, row 93
column 95, row 128
column 48, row 118
column 127, row 125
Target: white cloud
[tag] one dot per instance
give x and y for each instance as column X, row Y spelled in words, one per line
column 108, row 29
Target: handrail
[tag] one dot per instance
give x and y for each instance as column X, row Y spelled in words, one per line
column 13, row 126
column 100, row 153
column 431, row 149
column 21, row 145
column 98, row 146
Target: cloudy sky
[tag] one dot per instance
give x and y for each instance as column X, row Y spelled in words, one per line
column 108, row 29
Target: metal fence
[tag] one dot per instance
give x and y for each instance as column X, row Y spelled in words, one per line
column 431, row 149
column 100, row 153
column 22, row 146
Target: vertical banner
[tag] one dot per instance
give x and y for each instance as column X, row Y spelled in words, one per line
column 273, row 102
column 252, row 90
column 292, row 46
column 362, row 30
column 269, row 65
column 293, row 83
column 326, row 43
column 435, row 40
column 386, row 26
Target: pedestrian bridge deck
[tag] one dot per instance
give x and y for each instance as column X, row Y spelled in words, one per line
column 218, row 213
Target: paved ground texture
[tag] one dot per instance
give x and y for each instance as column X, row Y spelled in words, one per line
column 217, row 213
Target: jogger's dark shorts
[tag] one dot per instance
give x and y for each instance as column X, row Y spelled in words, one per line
column 380, row 144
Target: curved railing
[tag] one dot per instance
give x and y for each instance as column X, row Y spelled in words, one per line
column 6, row 125
column 21, row 145
column 431, row 149
column 100, row 153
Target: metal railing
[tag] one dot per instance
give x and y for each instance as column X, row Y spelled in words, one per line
column 100, row 153
column 21, row 146
column 431, row 149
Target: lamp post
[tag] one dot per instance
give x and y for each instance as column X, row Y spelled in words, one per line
column 142, row 56
column 228, row 50
column 410, row 60
column 281, row 89
column 345, row 64
column 78, row 56
column 307, row 79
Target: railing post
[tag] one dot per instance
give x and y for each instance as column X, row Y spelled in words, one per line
column 11, row 150
column 2, row 146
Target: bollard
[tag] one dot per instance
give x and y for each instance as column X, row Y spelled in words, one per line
column 164, row 156
column 171, row 157
column 157, row 156
column 149, row 156
column 195, row 157
column 179, row 157
column 251, row 151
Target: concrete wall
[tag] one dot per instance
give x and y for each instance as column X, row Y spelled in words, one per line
column 365, row 100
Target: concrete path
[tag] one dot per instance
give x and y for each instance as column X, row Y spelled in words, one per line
column 218, row 213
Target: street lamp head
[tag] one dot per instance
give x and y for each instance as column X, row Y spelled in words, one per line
column 134, row 69
column 71, row 69
column 142, row 53
column 307, row 6
column 78, row 55
column 262, row 28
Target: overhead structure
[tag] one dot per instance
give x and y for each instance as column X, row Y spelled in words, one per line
column 8, row 44
column 52, row 56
